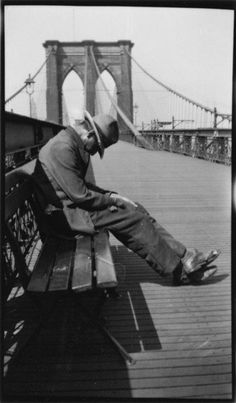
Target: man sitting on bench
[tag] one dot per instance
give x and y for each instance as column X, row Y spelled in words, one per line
column 73, row 206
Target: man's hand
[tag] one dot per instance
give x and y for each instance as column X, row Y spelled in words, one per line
column 120, row 201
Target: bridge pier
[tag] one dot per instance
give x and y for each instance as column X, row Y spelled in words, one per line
column 63, row 57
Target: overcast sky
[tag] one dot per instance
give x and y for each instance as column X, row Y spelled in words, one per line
column 190, row 50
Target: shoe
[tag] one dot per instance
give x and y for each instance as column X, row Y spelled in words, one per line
column 193, row 260
column 180, row 277
column 212, row 255
column 202, row 274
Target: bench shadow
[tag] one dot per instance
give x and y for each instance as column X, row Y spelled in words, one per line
column 68, row 356
column 63, row 359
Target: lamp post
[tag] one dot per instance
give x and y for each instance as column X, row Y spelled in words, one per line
column 30, row 89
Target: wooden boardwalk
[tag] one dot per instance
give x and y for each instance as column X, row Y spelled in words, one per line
column 180, row 336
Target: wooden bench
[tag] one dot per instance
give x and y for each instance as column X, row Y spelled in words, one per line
column 63, row 266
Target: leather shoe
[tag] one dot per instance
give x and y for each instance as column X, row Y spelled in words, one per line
column 193, row 260
column 180, row 277
column 202, row 274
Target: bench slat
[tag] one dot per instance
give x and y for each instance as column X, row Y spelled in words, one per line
column 106, row 274
column 60, row 274
column 43, row 267
column 82, row 271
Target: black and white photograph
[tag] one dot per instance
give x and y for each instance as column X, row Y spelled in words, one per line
column 117, row 202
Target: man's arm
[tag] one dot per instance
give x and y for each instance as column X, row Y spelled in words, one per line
column 117, row 198
column 95, row 188
column 66, row 170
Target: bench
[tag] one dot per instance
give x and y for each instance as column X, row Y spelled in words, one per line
column 63, row 266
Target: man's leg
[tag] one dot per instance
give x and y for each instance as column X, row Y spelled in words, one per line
column 138, row 231
column 177, row 246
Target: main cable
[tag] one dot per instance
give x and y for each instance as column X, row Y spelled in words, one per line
column 206, row 108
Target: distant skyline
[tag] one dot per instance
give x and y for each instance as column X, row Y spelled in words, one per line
column 189, row 49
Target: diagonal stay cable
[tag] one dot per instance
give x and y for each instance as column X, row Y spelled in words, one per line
column 23, row 87
column 130, row 125
column 206, row 108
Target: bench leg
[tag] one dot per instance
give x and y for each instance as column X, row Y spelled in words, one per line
column 105, row 294
column 124, row 354
column 114, row 342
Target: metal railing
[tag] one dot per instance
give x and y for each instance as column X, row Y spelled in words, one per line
column 24, row 137
column 211, row 144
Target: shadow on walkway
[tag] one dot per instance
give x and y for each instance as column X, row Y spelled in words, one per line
column 68, row 356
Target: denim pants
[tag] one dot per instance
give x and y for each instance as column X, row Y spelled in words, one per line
column 138, row 231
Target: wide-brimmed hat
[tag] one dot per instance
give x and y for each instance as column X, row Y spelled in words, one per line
column 105, row 128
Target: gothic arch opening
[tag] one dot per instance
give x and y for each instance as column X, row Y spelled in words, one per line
column 103, row 103
column 76, row 56
column 72, row 99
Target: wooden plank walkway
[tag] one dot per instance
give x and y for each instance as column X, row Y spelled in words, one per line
column 180, row 336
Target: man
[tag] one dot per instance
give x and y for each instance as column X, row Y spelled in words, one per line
column 73, row 206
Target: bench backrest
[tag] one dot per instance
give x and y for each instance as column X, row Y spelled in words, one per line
column 22, row 233
column 21, row 230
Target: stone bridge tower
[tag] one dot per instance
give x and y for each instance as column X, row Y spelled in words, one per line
column 67, row 56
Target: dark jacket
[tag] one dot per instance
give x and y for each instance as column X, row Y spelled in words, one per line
column 63, row 192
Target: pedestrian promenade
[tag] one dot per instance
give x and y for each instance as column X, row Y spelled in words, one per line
column 180, row 337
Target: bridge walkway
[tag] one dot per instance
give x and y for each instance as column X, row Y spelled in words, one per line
column 180, row 336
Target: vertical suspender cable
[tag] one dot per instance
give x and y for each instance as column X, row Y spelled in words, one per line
column 118, row 109
column 202, row 107
column 168, row 88
column 85, row 79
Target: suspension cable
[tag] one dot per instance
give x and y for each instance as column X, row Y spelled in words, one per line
column 206, row 108
column 23, row 87
column 118, row 109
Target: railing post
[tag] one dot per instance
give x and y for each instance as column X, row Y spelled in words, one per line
column 193, row 145
column 215, row 118
column 229, row 150
column 171, row 141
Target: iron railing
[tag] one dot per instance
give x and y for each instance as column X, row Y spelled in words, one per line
column 211, row 144
column 24, row 137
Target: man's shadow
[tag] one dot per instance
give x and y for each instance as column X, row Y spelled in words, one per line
column 132, row 315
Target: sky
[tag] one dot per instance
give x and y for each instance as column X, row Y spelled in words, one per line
column 188, row 49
